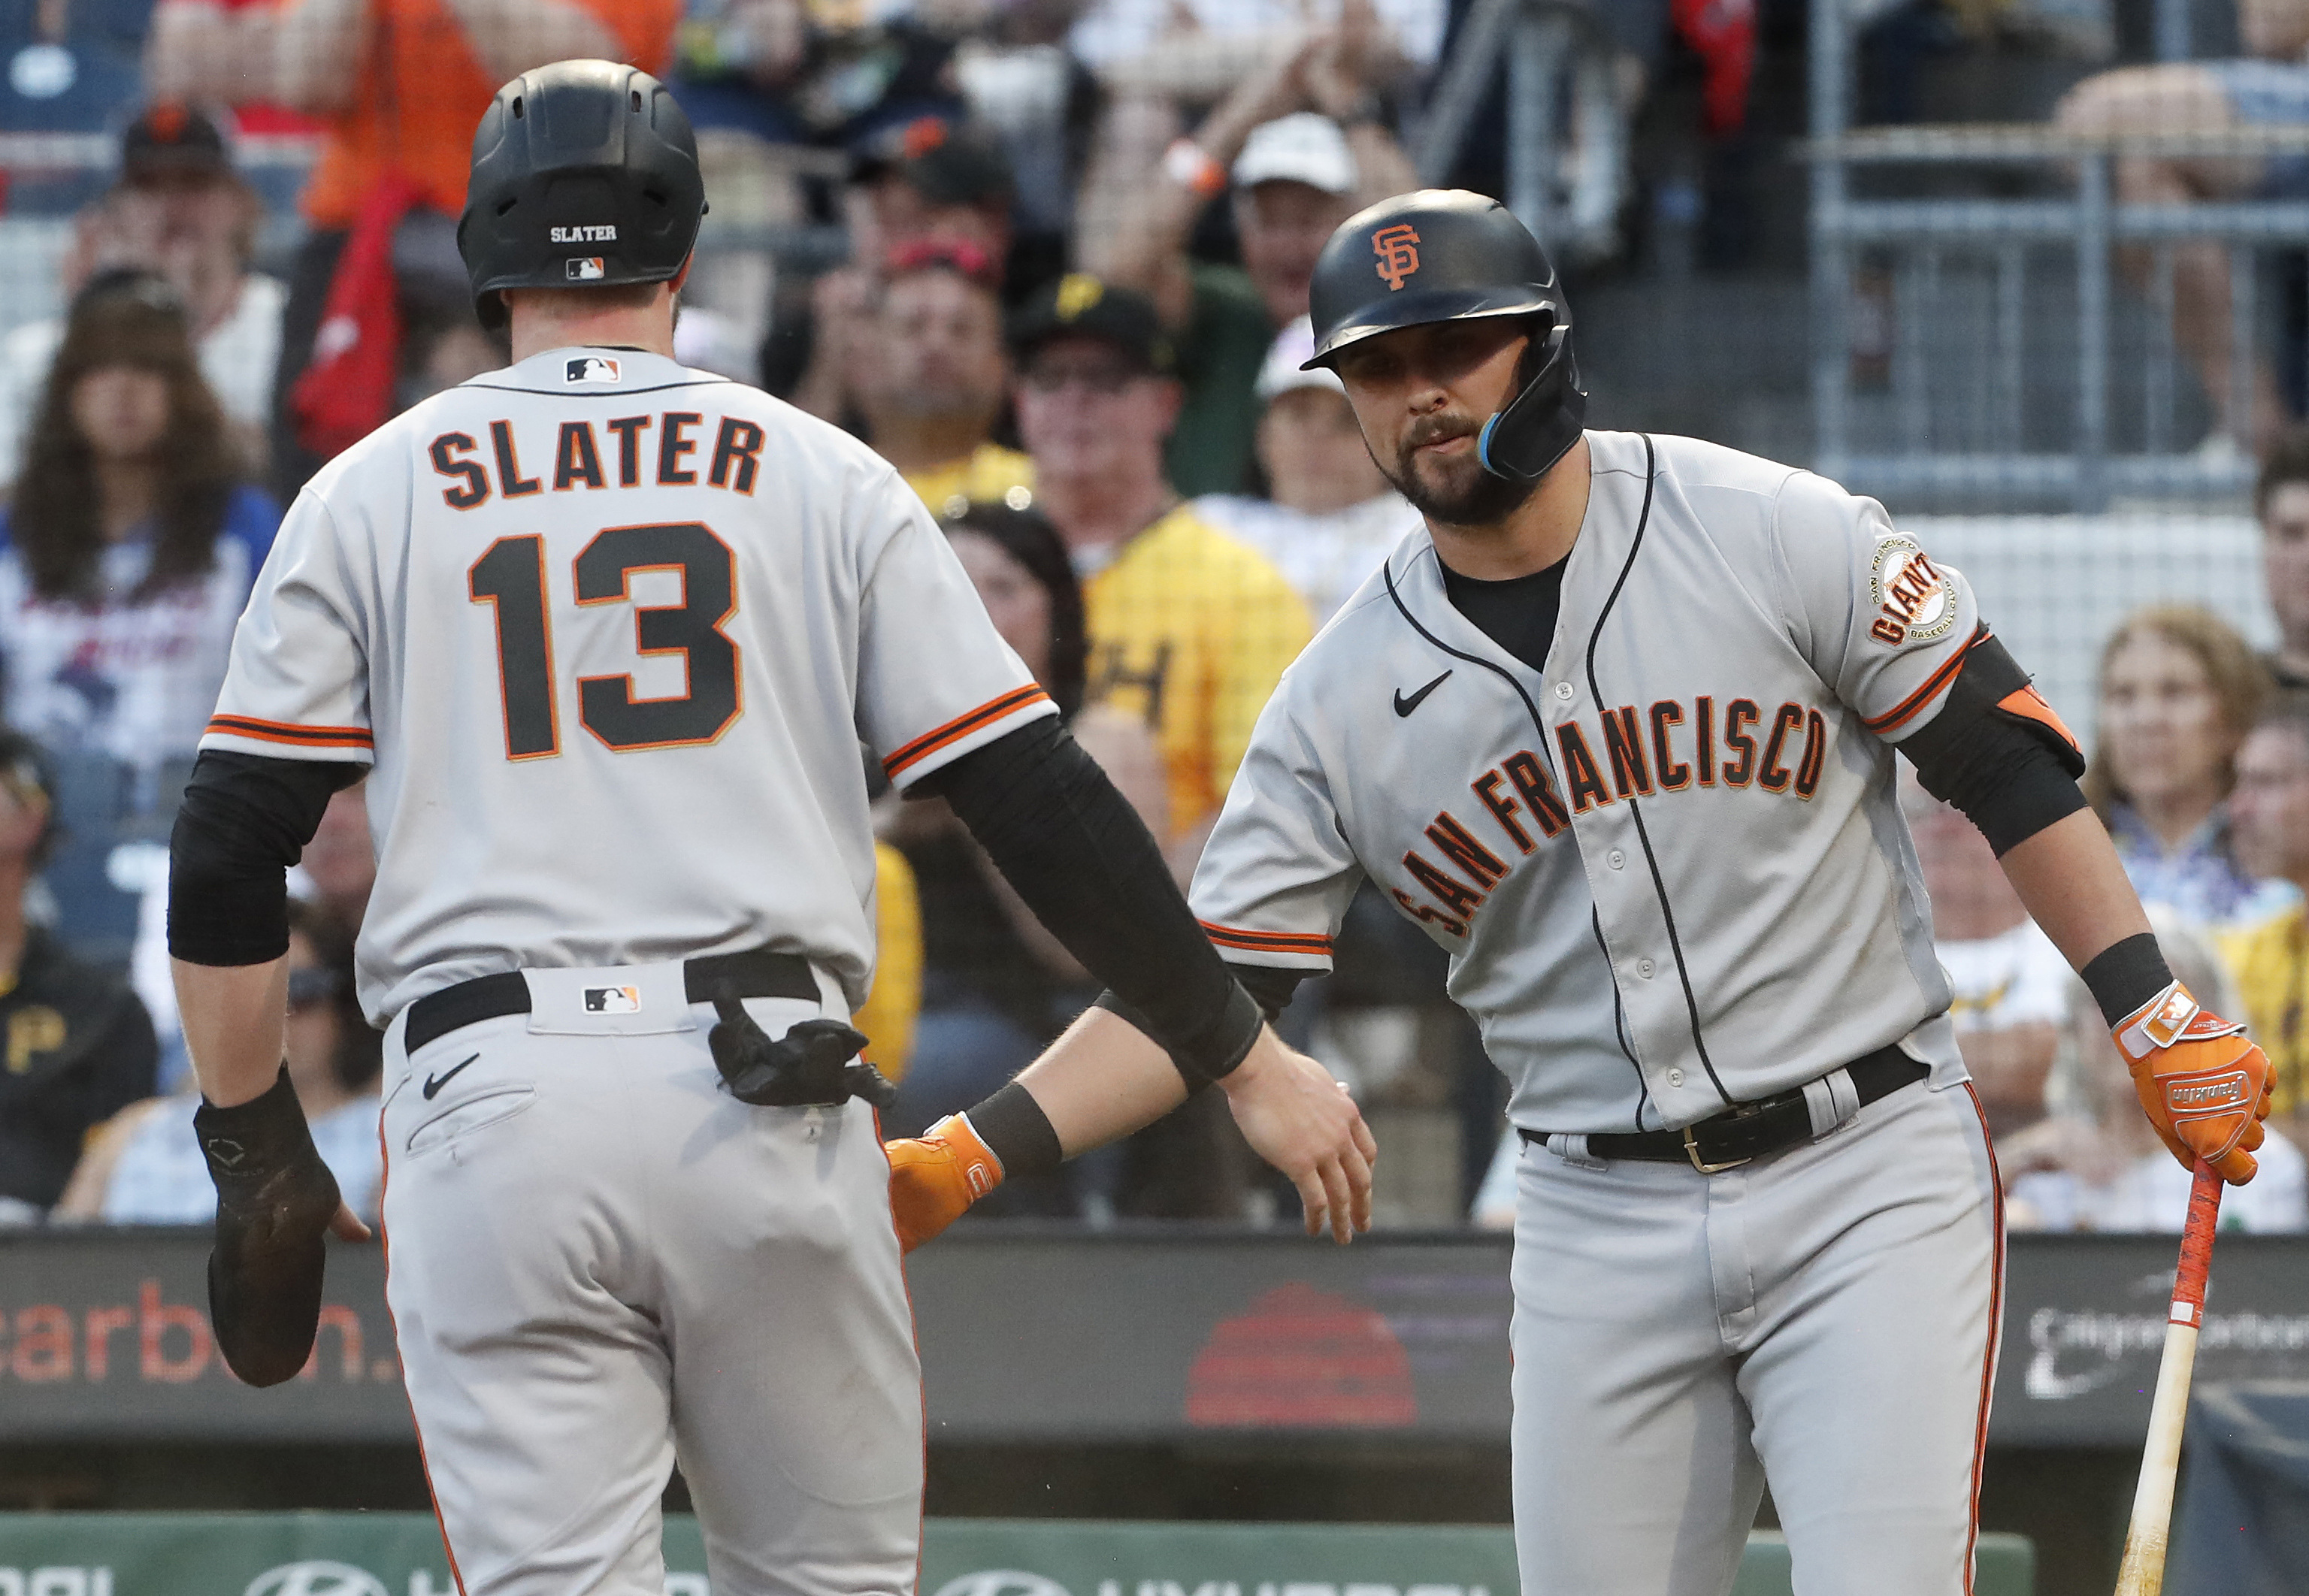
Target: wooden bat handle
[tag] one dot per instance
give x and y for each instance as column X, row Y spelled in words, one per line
column 2142, row 1572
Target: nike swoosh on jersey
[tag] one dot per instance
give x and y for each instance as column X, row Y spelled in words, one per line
column 433, row 1083
column 1404, row 706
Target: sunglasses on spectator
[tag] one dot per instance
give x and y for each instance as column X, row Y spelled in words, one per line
column 1105, row 377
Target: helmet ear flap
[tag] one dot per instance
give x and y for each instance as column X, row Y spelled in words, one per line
column 1539, row 425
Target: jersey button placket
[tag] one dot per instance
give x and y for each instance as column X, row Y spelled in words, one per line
column 1563, row 691
column 1643, row 968
column 1616, row 858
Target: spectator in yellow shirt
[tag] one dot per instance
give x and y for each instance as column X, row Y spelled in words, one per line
column 1189, row 627
column 2270, row 814
column 932, row 387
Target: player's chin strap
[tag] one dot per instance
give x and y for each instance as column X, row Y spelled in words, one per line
column 812, row 1064
column 1522, row 441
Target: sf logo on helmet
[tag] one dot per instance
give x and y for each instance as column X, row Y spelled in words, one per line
column 1397, row 251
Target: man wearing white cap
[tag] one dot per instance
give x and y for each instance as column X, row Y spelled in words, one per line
column 1329, row 517
column 1302, row 147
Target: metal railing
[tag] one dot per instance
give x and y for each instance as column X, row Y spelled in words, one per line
column 1922, row 235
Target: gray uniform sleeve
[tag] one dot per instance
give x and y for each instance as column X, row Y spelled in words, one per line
column 296, row 687
column 1883, row 623
column 1276, row 875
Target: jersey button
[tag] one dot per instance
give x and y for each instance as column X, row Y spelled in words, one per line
column 1643, row 968
column 1675, row 1077
column 1615, row 858
column 1563, row 691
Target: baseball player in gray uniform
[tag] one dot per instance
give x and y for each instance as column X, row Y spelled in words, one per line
column 606, row 635
column 1617, row 730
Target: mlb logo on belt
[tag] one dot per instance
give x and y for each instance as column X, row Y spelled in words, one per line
column 613, row 1000
column 590, row 368
column 587, row 268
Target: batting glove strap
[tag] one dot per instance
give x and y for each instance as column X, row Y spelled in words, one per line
column 2172, row 1016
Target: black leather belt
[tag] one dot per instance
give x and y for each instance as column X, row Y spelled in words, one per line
column 754, row 973
column 1749, row 1130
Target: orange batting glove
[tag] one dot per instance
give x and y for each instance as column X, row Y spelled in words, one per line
column 2204, row 1086
column 936, row 1175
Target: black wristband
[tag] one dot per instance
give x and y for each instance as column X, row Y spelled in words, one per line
column 249, row 1142
column 2124, row 976
column 1016, row 1131
column 1214, row 1050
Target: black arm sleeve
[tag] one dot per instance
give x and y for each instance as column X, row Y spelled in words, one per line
column 1078, row 854
column 1998, row 752
column 246, row 819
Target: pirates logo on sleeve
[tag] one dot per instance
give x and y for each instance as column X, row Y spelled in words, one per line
column 1913, row 600
column 590, row 368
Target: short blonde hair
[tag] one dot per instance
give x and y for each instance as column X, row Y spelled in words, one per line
column 2240, row 682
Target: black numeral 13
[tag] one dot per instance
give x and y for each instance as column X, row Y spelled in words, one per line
column 510, row 577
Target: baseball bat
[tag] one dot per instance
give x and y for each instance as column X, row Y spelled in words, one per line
column 2142, row 1572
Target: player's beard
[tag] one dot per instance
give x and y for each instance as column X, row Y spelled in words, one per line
column 1456, row 491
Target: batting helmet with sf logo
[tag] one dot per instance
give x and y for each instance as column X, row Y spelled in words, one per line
column 1442, row 255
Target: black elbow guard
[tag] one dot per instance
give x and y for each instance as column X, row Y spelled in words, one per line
column 244, row 820
column 1998, row 752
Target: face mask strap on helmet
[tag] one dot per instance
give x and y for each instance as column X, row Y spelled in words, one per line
column 1523, row 442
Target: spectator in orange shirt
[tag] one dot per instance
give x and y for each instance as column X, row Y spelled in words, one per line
column 399, row 86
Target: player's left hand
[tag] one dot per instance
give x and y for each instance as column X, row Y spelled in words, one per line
column 936, row 1176
column 1301, row 1120
column 2204, row 1085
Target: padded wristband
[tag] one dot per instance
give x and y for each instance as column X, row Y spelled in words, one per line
column 248, row 1143
column 2126, row 976
column 1018, row 1133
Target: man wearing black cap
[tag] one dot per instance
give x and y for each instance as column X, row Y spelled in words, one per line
column 181, row 209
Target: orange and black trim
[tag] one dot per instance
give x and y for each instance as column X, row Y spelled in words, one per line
column 1266, row 942
column 2030, row 705
column 291, row 734
column 1916, row 702
column 986, row 714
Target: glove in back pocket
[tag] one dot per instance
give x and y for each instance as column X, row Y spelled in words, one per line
column 461, row 1119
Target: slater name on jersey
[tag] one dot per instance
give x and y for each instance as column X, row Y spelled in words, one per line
column 1669, row 748
column 666, row 450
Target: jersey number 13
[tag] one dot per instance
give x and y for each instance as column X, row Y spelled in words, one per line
column 510, row 577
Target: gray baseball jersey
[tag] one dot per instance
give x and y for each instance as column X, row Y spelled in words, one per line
column 1669, row 868
column 612, row 631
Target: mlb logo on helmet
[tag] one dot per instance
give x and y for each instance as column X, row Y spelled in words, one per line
column 1398, row 253
column 586, row 268
column 613, row 1000
column 590, row 368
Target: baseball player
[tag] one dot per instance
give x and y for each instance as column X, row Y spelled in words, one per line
column 605, row 635
column 1615, row 730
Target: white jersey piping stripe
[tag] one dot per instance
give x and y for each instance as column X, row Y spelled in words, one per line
column 961, row 727
column 283, row 731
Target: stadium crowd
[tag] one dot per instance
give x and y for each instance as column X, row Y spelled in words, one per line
column 1066, row 299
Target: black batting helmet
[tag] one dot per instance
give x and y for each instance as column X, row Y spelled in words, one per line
column 1443, row 255
column 585, row 176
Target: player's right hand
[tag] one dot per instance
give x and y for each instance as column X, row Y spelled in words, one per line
column 936, row 1175
column 2204, row 1086
column 1301, row 1121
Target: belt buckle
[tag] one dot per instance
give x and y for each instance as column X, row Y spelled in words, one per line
column 1691, row 1150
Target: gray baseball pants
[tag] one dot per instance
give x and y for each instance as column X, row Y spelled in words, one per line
column 599, row 1261
column 1826, row 1317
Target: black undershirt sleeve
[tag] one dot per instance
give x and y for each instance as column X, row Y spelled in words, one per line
column 244, row 820
column 1086, row 864
column 1996, row 754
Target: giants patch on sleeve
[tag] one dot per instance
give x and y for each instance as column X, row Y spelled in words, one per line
column 1912, row 599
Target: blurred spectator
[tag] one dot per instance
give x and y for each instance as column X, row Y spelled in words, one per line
column 178, row 209
column 933, row 382
column 1190, row 629
column 2270, row 812
column 399, row 85
column 2011, row 985
column 70, row 67
column 75, row 1044
column 144, row 1166
column 2178, row 690
column 2280, row 501
column 2269, row 89
column 1304, row 147
column 132, row 541
column 997, row 987
column 1196, row 50
column 795, row 72
column 926, row 180
column 894, row 1003
column 2097, row 1164
column 339, row 867
column 1329, row 517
